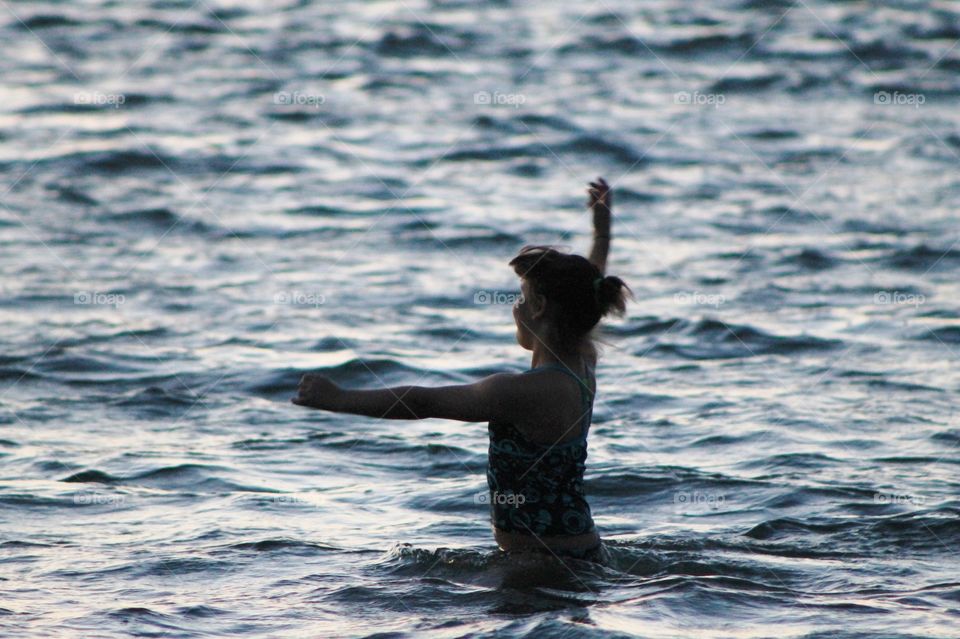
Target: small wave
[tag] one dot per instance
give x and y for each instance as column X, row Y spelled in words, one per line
column 581, row 145
column 644, row 326
column 894, row 54
column 480, row 237
column 282, row 544
column 155, row 402
column 918, row 460
column 437, row 459
column 137, row 613
column 922, row 530
column 887, row 384
column 793, row 460
column 182, row 566
column 522, row 123
column 25, row 543
column 747, row 84
column 712, row 441
column 91, row 369
column 946, row 28
column 714, row 339
column 617, row 484
column 485, row 154
column 597, row 145
column 183, row 26
column 923, row 258
column 91, row 477
column 871, row 227
column 162, row 219
column 772, row 134
column 428, row 40
column 810, row 259
column 787, row 527
column 74, row 195
column 118, row 162
column 17, row 500
column 544, row 121
column 45, row 21
column 811, row 157
column 625, row 44
column 201, row 611
column 405, row 559
column 183, row 476
column 707, row 43
column 942, row 335
column 916, row 531
column 949, row 437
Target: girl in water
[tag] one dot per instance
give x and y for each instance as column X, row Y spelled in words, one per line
column 538, row 419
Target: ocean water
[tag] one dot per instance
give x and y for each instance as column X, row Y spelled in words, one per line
column 201, row 201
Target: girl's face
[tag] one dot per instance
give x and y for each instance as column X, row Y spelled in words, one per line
column 526, row 316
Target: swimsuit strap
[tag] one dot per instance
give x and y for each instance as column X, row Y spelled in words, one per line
column 563, row 369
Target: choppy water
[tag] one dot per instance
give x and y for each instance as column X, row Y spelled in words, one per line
column 201, row 201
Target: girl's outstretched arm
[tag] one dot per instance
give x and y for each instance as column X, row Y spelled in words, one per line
column 601, row 202
column 500, row 396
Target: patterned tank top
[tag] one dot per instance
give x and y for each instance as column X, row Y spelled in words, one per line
column 537, row 489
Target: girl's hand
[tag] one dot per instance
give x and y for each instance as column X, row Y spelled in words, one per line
column 317, row 391
column 600, row 195
column 601, row 200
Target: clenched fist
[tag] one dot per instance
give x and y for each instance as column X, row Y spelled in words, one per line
column 317, row 391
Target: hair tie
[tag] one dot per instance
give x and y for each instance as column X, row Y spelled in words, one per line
column 596, row 288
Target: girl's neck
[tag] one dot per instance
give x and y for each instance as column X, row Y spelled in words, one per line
column 544, row 355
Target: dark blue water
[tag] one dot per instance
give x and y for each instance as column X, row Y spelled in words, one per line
column 202, row 201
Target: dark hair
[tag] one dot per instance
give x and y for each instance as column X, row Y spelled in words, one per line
column 578, row 295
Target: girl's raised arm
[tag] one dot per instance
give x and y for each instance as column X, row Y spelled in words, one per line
column 500, row 396
column 601, row 201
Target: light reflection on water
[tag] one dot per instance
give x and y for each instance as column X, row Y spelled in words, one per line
column 774, row 445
